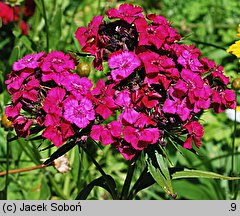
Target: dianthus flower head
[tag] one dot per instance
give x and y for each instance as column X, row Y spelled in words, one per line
column 83, row 34
column 53, row 103
column 58, row 130
column 79, row 112
column 28, row 91
column 108, row 134
column 56, row 66
column 123, row 64
column 28, row 61
column 22, row 125
column 78, row 87
column 196, row 131
column 17, row 78
column 126, row 12
column 103, row 97
column 128, row 115
column 154, row 86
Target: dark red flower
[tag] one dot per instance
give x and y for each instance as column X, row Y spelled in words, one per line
column 195, row 133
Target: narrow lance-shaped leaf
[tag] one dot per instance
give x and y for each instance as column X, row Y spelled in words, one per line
column 101, row 182
column 161, row 176
column 201, row 174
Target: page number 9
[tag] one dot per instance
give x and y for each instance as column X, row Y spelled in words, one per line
column 233, row 207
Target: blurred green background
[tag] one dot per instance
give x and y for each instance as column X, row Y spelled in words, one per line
column 211, row 25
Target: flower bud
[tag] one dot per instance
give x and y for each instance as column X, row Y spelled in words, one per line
column 5, row 122
column 236, row 84
column 83, row 69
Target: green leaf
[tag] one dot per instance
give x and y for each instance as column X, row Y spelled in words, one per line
column 15, row 55
column 201, row 174
column 45, row 193
column 145, row 180
column 4, row 42
column 2, row 183
column 193, row 191
column 161, row 176
column 101, row 182
column 27, row 43
column 55, row 29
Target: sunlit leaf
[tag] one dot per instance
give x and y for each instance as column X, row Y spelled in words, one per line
column 201, row 174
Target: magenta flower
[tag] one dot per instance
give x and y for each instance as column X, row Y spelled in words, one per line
column 126, row 12
column 53, row 103
column 144, row 121
column 103, row 98
column 140, row 138
column 79, row 113
column 123, row 63
column 151, row 34
column 196, row 131
column 58, row 130
column 84, row 35
column 208, row 65
column 127, row 151
column 90, row 41
column 108, row 134
column 12, row 111
column 29, row 61
column 154, row 63
column 78, row 87
column 22, row 125
column 145, row 97
column 194, row 84
column 28, row 91
column 160, row 20
column 56, row 66
column 128, row 115
column 218, row 73
column 190, row 60
column 222, row 99
column 177, row 106
column 57, row 61
column 158, row 79
column 15, row 79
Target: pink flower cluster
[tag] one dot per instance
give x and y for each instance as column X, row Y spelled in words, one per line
column 46, row 93
column 156, row 86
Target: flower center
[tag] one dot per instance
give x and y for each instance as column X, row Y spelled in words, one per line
column 57, row 61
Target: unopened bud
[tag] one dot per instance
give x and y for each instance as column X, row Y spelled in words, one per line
column 236, row 83
column 83, row 69
column 5, row 122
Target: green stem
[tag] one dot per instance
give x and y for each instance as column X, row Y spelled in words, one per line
column 214, row 159
column 56, row 188
column 7, row 169
column 46, row 25
column 127, row 182
column 134, row 191
column 234, row 183
column 208, row 44
column 113, row 192
column 233, row 140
